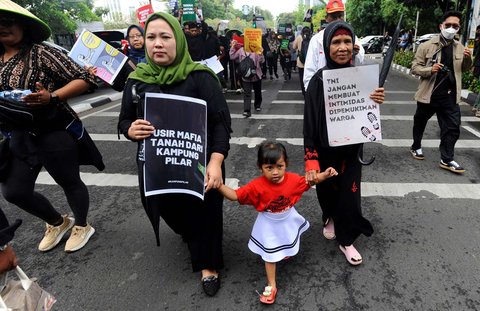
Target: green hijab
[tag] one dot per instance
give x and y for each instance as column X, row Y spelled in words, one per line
column 177, row 71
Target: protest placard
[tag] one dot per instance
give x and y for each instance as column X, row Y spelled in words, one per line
column 351, row 116
column 90, row 50
column 175, row 155
column 188, row 10
column 142, row 14
column 253, row 40
column 212, row 63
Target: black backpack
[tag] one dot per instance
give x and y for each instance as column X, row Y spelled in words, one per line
column 247, row 68
column 304, row 50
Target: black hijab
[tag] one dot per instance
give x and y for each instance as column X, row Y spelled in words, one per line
column 327, row 39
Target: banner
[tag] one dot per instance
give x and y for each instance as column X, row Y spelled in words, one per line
column 252, row 40
column 175, row 155
column 142, row 14
column 352, row 117
column 90, row 50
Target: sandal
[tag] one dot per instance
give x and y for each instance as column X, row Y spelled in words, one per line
column 329, row 230
column 351, row 254
column 268, row 295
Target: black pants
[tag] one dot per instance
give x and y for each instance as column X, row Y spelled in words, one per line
column 58, row 153
column 200, row 223
column 300, row 75
column 272, row 64
column 247, row 94
column 340, row 196
column 448, row 115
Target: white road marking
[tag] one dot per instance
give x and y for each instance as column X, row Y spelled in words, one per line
column 369, row 189
column 261, row 116
column 252, row 142
column 472, row 130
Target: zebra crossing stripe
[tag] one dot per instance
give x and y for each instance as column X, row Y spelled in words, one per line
column 369, row 189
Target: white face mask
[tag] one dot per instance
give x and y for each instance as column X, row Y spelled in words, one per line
column 449, row 33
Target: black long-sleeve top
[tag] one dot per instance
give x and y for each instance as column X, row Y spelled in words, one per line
column 199, row 84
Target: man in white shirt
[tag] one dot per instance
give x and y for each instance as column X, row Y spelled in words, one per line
column 315, row 59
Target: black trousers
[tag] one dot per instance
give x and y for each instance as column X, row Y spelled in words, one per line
column 340, row 196
column 448, row 115
column 200, row 223
column 300, row 75
column 58, row 153
column 272, row 64
column 247, row 94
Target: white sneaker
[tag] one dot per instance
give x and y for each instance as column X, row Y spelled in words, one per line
column 78, row 238
column 54, row 234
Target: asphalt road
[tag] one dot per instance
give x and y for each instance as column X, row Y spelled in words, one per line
column 424, row 254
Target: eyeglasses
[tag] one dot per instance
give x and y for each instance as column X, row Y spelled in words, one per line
column 135, row 37
column 8, row 21
column 454, row 26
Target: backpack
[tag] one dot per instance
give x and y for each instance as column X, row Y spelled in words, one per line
column 247, row 68
column 303, row 50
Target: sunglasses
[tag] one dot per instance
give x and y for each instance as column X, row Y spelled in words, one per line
column 454, row 26
column 8, row 21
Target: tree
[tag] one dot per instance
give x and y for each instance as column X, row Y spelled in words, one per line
column 61, row 15
column 359, row 11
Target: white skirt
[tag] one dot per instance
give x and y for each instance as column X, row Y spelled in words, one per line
column 277, row 235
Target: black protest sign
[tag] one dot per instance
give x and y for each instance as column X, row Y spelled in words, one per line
column 175, row 155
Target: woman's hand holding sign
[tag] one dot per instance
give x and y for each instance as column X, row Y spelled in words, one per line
column 378, row 95
column 140, row 129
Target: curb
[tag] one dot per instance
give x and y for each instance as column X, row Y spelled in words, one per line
column 96, row 101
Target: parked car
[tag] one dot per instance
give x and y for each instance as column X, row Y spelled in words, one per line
column 56, row 46
column 372, row 44
column 424, row 38
column 115, row 38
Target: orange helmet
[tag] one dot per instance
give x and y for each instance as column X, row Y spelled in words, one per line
column 335, row 6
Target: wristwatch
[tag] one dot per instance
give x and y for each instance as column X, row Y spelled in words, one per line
column 54, row 99
column 4, row 247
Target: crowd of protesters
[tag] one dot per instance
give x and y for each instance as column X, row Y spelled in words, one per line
column 164, row 58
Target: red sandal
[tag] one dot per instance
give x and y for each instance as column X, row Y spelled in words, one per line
column 268, row 296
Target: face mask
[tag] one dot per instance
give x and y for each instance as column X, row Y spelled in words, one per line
column 449, row 33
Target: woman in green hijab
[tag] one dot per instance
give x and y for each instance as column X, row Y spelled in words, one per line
column 170, row 70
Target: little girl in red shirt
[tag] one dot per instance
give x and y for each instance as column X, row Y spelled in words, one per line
column 278, row 227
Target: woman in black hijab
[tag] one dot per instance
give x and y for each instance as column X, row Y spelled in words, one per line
column 339, row 197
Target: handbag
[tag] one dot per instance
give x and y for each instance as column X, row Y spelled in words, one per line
column 35, row 118
column 24, row 295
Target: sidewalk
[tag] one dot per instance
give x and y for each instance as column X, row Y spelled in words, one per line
column 98, row 98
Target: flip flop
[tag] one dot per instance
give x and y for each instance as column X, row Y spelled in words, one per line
column 329, row 229
column 351, row 254
column 268, row 296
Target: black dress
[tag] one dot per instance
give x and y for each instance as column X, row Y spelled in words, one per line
column 199, row 222
column 340, row 196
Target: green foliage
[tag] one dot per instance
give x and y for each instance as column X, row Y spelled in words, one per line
column 471, row 83
column 404, row 58
column 475, row 86
column 383, row 15
column 467, row 79
column 60, row 15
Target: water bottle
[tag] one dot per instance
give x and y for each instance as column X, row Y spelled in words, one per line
column 15, row 94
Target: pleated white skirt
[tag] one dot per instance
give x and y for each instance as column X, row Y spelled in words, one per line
column 277, row 235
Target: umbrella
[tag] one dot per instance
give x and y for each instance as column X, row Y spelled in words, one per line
column 387, row 62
